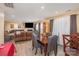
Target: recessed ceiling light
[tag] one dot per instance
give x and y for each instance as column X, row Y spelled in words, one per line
column 13, row 16
column 42, row 7
column 68, row 10
column 56, row 12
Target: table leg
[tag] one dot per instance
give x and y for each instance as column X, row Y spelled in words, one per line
column 45, row 50
column 32, row 45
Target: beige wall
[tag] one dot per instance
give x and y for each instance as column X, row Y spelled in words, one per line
column 1, row 27
column 8, row 26
column 78, row 23
column 47, row 26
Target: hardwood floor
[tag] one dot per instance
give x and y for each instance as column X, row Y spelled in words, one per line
column 24, row 48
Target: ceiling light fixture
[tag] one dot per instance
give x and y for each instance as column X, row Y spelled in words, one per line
column 42, row 7
column 68, row 10
column 13, row 16
column 56, row 12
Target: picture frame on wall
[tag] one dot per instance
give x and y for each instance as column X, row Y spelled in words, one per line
column 19, row 26
column 11, row 25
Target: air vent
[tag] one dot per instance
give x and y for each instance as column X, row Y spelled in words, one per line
column 10, row 5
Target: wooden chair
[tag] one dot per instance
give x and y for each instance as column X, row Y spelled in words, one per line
column 70, row 43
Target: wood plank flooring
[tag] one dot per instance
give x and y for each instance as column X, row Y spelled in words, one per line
column 24, row 48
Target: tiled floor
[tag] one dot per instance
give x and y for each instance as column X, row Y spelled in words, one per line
column 24, row 48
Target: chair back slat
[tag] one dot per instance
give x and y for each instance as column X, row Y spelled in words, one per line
column 66, row 41
column 70, row 41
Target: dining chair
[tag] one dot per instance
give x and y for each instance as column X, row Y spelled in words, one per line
column 52, row 44
column 36, row 45
column 69, row 46
column 7, row 37
column 75, row 38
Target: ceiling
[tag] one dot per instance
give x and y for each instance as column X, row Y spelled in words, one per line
column 29, row 12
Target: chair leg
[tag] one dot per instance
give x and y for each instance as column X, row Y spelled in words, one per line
column 48, row 54
column 45, row 50
column 41, row 49
column 66, row 54
column 36, row 51
column 55, row 51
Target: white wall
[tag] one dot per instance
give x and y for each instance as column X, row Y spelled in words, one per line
column 41, row 27
column 61, row 26
column 37, row 26
column 78, row 23
column 1, row 27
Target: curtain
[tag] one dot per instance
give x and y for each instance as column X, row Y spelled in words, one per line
column 73, row 24
column 61, row 26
